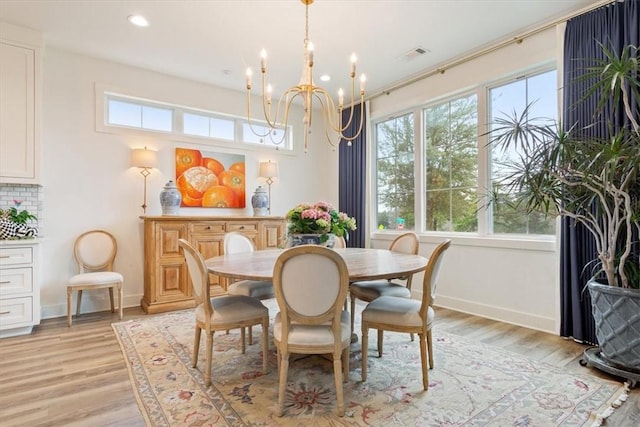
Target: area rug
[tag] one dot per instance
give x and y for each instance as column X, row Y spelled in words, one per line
column 472, row 384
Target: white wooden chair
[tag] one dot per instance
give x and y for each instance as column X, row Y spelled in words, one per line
column 94, row 252
column 311, row 284
column 370, row 290
column 221, row 313
column 389, row 313
column 235, row 242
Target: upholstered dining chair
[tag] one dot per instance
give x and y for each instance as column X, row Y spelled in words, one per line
column 339, row 242
column 95, row 252
column 221, row 313
column 370, row 290
column 311, row 284
column 391, row 313
column 236, row 242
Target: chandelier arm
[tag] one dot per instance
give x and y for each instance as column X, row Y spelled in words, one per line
column 338, row 129
column 255, row 132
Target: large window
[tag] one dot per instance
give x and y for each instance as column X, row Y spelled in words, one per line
column 395, row 174
column 451, row 165
column 454, row 168
column 540, row 93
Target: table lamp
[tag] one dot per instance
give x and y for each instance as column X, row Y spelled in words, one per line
column 145, row 160
column 268, row 170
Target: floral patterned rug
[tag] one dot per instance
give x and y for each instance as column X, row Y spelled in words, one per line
column 472, row 384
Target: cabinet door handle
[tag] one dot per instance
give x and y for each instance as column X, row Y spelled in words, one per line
column 5, row 312
column 242, row 227
column 5, row 256
column 208, row 227
column 5, row 281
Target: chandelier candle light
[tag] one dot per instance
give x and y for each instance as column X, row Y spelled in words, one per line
column 307, row 90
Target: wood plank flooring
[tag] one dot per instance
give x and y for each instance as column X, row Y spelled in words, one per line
column 60, row 376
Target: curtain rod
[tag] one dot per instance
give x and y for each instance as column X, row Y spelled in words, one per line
column 517, row 39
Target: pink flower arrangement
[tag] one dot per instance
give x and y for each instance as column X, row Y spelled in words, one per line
column 319, row 218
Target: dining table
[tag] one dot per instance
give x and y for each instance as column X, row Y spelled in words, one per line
column 362, row 264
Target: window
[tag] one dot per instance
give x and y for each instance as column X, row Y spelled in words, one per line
column 123, row 111
column 436, row 184
column 138, row 115
column 451, row 165
column 540, row 92
column 395, row 173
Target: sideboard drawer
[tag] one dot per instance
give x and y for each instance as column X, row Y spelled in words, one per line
column 15, row 311
column 207, row 227
column 14, row 256
column 243, row 226
column 15, row 281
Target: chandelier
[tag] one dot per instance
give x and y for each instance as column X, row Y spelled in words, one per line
column 277, row 118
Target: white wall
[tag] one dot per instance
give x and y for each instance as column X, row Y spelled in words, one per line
column 87, row 181
column 504, row 279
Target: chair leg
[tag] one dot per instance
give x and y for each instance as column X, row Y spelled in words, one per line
column 265, row 344
column 250, row 335
column 345, row 364
column 430, row 348
column 69, row 295
column 412, row 337
column 282, row 385
column 353, row 311
column 337, row 375
column 380, row 335
column 120, row 301
column 79, row 301
column 196, row 346
column 207, row 367
column 113, row 308
column 365, row 343
column 242, row 343
column 423, row 360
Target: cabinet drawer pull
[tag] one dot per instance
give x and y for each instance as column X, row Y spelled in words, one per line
column 242, row 227
column 5, row 281
column 5, row 312
column 208, row 227
column 5, row 256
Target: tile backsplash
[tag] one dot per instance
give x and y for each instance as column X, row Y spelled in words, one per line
column 31, row 197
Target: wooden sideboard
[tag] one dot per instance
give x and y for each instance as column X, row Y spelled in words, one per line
column 166, row 283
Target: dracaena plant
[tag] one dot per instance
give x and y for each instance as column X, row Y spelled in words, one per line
column 593, row 180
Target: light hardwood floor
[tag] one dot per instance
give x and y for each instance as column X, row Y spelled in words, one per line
column 60, row 376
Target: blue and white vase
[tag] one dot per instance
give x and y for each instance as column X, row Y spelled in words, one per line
column 170, row 199
column 260, row 202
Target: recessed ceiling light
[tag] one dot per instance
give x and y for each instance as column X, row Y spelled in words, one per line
column 325, row 77
column 138, row 20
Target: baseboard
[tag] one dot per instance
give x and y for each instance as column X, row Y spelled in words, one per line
column 89, row 305
column 501, row 314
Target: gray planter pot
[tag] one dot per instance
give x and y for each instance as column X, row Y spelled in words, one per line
column 617, row 316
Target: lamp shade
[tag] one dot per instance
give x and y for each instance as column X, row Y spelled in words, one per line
column 268, row 169
column 143, row 158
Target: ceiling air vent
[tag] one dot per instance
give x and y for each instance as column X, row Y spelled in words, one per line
column 414, row 53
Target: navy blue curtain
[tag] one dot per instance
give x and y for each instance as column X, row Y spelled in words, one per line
column 352, row 175
column 615, row 25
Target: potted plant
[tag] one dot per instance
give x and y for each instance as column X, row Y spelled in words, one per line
column 595, row 182
column 13, row 223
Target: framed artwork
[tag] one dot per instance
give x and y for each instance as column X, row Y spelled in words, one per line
column 210, row 180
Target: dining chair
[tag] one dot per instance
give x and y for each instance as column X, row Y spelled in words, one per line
column 234, row 243
column 339, row 242
column 398, row 314
column 370, row 290
column 95, row 252
column 221, row 313
column 311, row 284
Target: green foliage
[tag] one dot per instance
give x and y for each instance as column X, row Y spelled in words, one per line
column 594, row 181
column 19, row 217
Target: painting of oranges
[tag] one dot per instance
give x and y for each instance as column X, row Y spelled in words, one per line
column 210, row 180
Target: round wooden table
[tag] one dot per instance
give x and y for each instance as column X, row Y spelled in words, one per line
column 363, row 264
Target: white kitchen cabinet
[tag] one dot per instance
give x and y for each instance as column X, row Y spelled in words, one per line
column 20, row 104
column 19, row 287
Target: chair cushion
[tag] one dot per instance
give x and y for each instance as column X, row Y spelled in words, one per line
column 96, row 278
column 232, row 309
column 252, row 288
column 313, row 334
column 396, row 311
column 368, row 291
